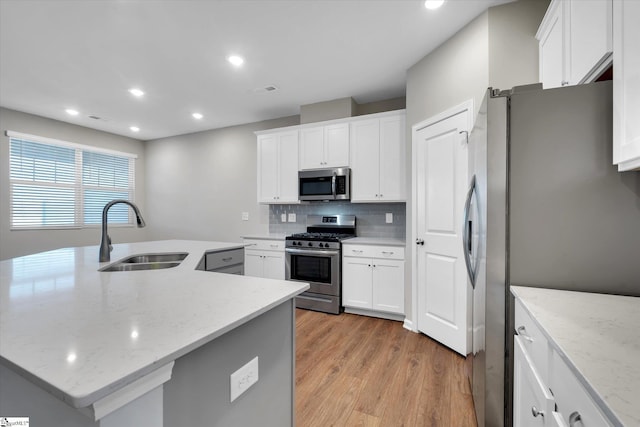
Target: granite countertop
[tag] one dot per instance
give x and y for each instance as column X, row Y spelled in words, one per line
column 598, row 336
column 82, row 334
column 383, row 241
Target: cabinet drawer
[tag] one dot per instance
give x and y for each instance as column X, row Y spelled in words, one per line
column 217, row 260
column 571, row 397
column 232, row 269
column 533, row 340
column 264, row 245
column 532, row 401
column 370, row 251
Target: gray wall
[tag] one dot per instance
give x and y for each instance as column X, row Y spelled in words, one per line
column 199, row 184
column 496, row 49
column 23, row 242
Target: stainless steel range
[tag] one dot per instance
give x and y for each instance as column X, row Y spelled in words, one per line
column 316, row 257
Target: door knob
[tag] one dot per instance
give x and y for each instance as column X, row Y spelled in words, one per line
column 420, row 242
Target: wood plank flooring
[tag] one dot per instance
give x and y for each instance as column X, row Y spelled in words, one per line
column 363, row 371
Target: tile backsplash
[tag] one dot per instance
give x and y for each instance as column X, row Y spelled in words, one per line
column 370, row 217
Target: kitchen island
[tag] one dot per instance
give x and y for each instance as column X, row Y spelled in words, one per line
column 80, row 347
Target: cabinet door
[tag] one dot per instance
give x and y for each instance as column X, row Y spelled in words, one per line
column 267, row 168
column 288, row 168
column 626, row 84
column 531, row 407
column 336, row 145
column 589, row 39
column 365, row 160
column 388, row 285
column 392, row 159
column 312, row 148
column 253, row 263
column 356, row 282
column 273, row 265
column 551, row 47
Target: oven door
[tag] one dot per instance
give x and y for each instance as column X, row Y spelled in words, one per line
column 320, row 268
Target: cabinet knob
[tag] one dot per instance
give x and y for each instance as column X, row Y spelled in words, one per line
column 564, row 83
column 420, row 242
column 574, row 418
column 522, row 332
column 535, row 412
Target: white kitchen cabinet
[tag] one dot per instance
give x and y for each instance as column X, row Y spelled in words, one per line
column 278, row 167
column 575, row 42
column 264, row 258
column 324, row 146
column 373, row 278
column 532, row 403
column 545, row 390
column 378, row 159
column 626, row 84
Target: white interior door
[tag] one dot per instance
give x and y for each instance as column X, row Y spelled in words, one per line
column 441, row 185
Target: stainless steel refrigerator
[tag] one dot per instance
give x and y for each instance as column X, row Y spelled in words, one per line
column 549, row 210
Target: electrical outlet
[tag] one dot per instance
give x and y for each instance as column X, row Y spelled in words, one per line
column 243, row 378
column 292, row 217
column 389, row 218
column 245, row 216
column 283, row 217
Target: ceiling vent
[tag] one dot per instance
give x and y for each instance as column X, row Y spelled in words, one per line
column 266, row 89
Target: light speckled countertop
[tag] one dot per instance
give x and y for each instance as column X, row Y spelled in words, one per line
column 82, row 334
column 265, row 236
column 383, row 241
column 598, row 336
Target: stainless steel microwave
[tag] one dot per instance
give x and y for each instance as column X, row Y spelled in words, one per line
column 324, row 184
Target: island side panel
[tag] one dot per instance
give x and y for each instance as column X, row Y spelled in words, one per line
column 199, row 390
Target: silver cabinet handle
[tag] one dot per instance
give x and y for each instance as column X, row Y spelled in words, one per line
column 388, row 253
column 420, row 242
column 465, row 234
column 522, row 332
column 564, row 83
column 227, row 259
column 355, row 251
column 535, row 412
column 574, row 418
column 274, row 246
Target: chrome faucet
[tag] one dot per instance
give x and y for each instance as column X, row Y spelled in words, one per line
column 105, row 242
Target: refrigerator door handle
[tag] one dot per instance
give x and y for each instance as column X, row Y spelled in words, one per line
column 466, row 237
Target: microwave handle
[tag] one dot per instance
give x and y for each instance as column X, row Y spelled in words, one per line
column 333, row 185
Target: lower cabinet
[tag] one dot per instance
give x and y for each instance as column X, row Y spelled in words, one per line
column 373, row 278
column 264, row 258
column 546, row 392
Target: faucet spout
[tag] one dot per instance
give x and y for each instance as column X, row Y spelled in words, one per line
column 105, row 241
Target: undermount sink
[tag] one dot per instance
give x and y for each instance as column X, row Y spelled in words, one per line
column 147, row 262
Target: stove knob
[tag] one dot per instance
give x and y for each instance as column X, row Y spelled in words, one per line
column 310, row 244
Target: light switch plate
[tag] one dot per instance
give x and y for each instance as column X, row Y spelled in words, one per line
column 243, row 378
column 283, row 217
column 292, row 217
column 245, row 216
column 389, row 218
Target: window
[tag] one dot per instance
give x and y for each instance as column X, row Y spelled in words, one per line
column 57, row 184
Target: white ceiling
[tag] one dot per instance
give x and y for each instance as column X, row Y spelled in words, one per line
column 86, row 54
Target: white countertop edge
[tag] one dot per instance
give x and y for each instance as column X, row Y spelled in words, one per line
column 597, row 398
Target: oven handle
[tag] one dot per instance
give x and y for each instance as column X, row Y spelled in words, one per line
column 329, row 252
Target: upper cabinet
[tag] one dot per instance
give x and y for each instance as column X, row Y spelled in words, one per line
column 278, row 167
column 626, row 84
column 575, row 39
column 324, row 146
column 378, row 159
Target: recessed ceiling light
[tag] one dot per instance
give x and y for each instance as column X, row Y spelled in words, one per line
column 136, row 92
column 197, row 116
column 134, row 129
column 433, row 4
column 71, row 112
column 235, row 60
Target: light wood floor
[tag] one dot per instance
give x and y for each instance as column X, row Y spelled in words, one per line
column 363, row 371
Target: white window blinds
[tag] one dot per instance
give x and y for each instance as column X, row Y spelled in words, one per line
column 57, row 184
